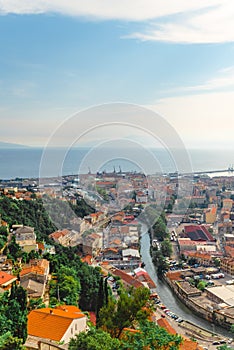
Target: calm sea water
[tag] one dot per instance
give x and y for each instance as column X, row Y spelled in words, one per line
column 26, row 162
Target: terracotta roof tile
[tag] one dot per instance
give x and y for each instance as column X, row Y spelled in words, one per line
column 52, row 323
column 6, row 278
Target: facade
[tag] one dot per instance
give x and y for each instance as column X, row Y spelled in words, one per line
column 25, row 237
column 227, row 265
column 59, row 324
column 210, row 215
column 6, row 280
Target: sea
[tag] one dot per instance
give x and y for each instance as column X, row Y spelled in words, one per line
column 39, row 162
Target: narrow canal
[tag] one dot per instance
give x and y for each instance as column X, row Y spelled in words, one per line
column 166, row 294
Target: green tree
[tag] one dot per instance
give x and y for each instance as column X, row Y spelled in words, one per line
column 36, row 304
column 150, row 336
column 132, row 306
column 100, row 300
column 160, row 228
column 232, row 328
column 94, row 339
column 166, row 248
column 201, row 285
column 66, row 287
column 160, row 262
column 13, row 312
column 8, row 342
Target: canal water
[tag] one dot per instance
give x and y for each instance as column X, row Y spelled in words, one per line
column 167, row 296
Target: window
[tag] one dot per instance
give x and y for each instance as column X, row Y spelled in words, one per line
column 76, row 327
column 71, row 330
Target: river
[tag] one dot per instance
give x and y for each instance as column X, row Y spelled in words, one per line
column 166, row 294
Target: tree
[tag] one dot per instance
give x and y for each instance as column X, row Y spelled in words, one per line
column 201, row 285
column 94, row 339
column 66, row 287
column 166, row 248
column 13, row 312
column 160, row 228
column 100, row 300
column 131, row 307
column 150, row 336
column 8, row 342
column 160, row 263
column 232, row 328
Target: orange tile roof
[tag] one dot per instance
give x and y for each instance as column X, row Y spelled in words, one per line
column 6, row 278
column 87, row 259
column 41, row 246
column 174, row 276
column 32, row 269
column 58, row 234
column 52, row 323
column 131, row 281
column 186, row 344
column 162, row 322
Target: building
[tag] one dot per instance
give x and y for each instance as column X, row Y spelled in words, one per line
column 59, row 324
column 25, row 237
column 198, row 233
column 227, row 265
column 6, row 280
column 221, row 294
column 227, row 204
column 210, row 215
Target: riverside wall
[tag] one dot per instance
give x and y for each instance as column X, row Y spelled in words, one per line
column 212, row 316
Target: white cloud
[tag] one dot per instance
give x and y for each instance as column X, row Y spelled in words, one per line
column 213, row 25
column 201, row 21
column 224, row 79
column 202, row 120
column 133, row 10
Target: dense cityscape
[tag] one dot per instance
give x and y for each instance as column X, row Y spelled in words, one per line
column 116, row 175
column 78, row 271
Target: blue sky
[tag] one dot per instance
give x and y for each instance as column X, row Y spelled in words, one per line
column 58, row 58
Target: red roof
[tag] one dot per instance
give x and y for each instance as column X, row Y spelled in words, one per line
column 131, row 281
column 52, row 323
column 6, row 279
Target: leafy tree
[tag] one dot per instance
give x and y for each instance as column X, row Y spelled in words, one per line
column 150, row 336
column 36, row 304
column 94, row 339
column 217, row 262
column 160, row 263
column 8, row 342
column 13, row 312
column 132, row 306
column 66, row 288
column 160, row 228
column 201, row 285
column 14, row 250
column 166, row 248
column 88, row 276
column 232, row 328
column 3, row 231
column 100, row 300
column 224, row 347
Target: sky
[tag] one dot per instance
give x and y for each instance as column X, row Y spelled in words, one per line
column 60, row 57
